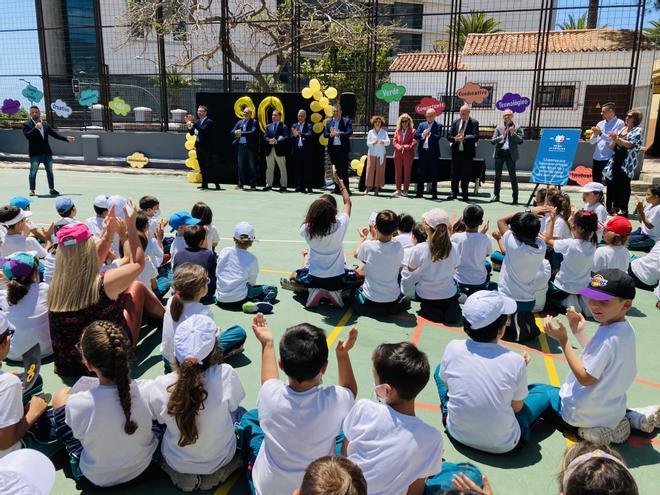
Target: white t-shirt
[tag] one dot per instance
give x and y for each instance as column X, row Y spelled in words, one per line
column 169, row 325
column 652, row 216
column 647, row 268
column 561, row 231
column 326, row 254
column 30, row 317
column 178, row 244
column 610, row 357
column 154, row 223
column 435, row 280
column 575, row 269
column 213, row 236
column 148, row 273
column 15, row 243
column 382, row 261
column 110, row 456
column 49, row 267
column 473, row 248
column 299, row 427
column 154, row 251
column 95, row 225
column 11, row 410
column 406, row 241
column 519, row 268
column 236, row 269
column 601, row 213
column 611, row 257
column 392, row 449
column 483, row 379
column 216, row 444
column 541, row 285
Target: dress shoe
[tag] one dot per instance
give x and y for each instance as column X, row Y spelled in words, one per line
column 32, row 193
column 203, row 188
column 451, row 197
column 54, row 192
column 495, row 199
column 282, row 189
column 267, row 188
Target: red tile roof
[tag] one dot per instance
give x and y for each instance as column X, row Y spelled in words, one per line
column 422, row 62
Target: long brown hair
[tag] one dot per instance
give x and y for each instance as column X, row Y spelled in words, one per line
column 188, row 280
column 439, row 242
column 320, row 218
column 561, row 201
column 106, row 346
column 18, row 287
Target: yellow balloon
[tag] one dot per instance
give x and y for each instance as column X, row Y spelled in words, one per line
column 269, row 101
column 328, row 110
column 355, row 163
column 307, row 93
column 241, row 103
column 315, row 117
column 190, row 145
column 331, row 93
column 318, row 95
column 314, row 85
column 190, row 137
column 317, row 128
column 315, row 106
column 190, row 163
column 325, row 122
column 324, row 102
column 192, row 154
column 358, row 166
column 323, row 140
column 194, row 177
column 363, row 159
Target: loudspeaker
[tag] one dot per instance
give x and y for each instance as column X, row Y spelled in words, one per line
column 348, row 104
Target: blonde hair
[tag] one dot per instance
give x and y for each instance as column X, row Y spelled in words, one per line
column 332, row 475
column 401, row 117
column 378, row 117
column 76, row 282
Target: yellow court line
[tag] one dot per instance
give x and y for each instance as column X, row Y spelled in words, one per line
column 226, row 487
column 340, row 326
column 268, row 270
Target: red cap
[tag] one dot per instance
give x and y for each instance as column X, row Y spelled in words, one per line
column 619, row 225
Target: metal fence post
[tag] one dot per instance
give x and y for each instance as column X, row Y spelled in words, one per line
column 162, row 75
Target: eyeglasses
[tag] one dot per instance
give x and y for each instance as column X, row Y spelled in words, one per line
column 9, row 333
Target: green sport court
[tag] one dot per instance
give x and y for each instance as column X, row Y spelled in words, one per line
column 277, row 218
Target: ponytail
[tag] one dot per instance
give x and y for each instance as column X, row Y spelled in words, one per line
column 187, row 282
column 586, row 222
column 440, row 243
column 16, row 290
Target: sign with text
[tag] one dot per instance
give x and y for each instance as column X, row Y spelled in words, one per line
column 513, row 102
column 61, row 109
column 32, row 93
column 428, row 103
column 390, row 92
column 10, row 106
column 472, row 93
column 89, row 97
column 554, row 157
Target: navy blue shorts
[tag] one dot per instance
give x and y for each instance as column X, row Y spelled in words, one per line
column 340, row 282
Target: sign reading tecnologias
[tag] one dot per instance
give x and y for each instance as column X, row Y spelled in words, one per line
column 88, row 97
column 513, row 102
column 554, row 157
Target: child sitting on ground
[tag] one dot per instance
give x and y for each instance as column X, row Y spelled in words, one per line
column 645, row 270
column 473, row 247
column 404, row 235
column 197, row 403
column 150, row 206
column 237, row 276
column 13, row 219
column 332, row 475
column 67, row 211
column 614, row 253
column 95, row 223
column 380, row 293
column 30, row 229
column 560, row 202
column 196, row 252
column 299, row 421
column 205, row 214
column 648, row 233
column 178, row 223
column 593, row 196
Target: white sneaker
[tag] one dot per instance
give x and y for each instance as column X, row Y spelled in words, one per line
column 396, row 194
column 604, row 436
column 314, row 298
column 210, row 481
column 335, row 298
column 404, row 194
column 644, row 419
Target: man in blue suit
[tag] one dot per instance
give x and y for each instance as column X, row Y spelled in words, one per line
column 428, row 151
column 338, row 131
column 276, row 139
column 463, row 136
column 245, row 137
column 203, row 128
column 301, row 152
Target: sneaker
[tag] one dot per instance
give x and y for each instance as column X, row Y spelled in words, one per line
column 32, row 193
column 314, row 298
column 238, row 188
column 184, row 482
column 644, row 419
column 288, row 284
column 404, row 194
column 257, row 307
column 335, row 298
column 396, row 194
column 462, row 298
column 329, row 186
column 604, row 436
column 210, row 481
column 54, row 192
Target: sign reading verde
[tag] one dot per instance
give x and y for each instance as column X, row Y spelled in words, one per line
column 513, row 102
column 390, row 92
column 554, row 157
column 88, row 97
column 32, row 93
column 119, row 106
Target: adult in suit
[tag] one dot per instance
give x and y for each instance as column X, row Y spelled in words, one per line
column 338, row 131
column 404, row 152
column 463, row 136
column 301, row 152
column 245, row 135
column 36, row 131
column 428, row 151
column 276, row 139
column 506, row 139
column 203, row 129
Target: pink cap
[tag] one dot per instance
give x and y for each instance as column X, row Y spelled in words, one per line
column 73, row 234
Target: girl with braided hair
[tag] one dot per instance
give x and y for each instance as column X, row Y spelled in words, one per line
column 105, row 423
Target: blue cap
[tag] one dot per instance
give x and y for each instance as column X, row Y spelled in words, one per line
column 181, row 218
column 63, row 205
column 20, row 202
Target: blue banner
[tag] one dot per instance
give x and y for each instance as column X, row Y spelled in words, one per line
column 554, row 157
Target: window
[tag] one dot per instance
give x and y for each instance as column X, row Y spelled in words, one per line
column 488, row 102
column 557, row 96
column 179, row 33
column 408, row 42
column 404, row 15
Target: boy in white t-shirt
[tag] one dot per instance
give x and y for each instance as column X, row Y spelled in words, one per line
column 404, row 235
column 95, row 223
column 298, row 421
column 380, row 293
column 592, row 400
column 473, row 246
column 614, row 253
column 178, row 223
column 648, row 233
column 150, row 206
column 14, row 220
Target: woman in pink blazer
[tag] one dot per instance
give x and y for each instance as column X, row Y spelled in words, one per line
column 404, row 152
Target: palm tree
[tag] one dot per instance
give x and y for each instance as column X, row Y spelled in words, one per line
column 592, row 14
column 581, row 22
column 653, row 32
column 475, row 22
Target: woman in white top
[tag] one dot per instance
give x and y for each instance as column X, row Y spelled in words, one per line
column 377, row 142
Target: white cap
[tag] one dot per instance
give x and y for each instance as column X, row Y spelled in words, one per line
column 26, row 472
column 119, row 203
column 485, row 306
column 592, row 187
column 101, row 201
column 5, row 324
column 435, row 217
column 195, row 338
column 21, row 215
column 372, row 218
column 243, row 230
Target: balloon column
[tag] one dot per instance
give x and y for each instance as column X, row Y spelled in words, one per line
column 358, row 165
column 320, row 106
column 194, row 177
column 261, row 112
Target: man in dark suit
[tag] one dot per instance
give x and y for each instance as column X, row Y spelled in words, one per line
column 36, row 131
column 428, row 151
column 245, row 137
column 338, row 131
column 463, row 137
column 301, row 152
column 276, row 139
column 506, row 139
column 203, row 128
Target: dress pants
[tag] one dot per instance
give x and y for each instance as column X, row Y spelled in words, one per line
column 618, row 190
column 427, row 170
column 271, row 159
column 597, row 170
column 303, row 168
column 402, row 169
column 247, row 168
column 339, row 158
column 504, row 157
column 461, row 167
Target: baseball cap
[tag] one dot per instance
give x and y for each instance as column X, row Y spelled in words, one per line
column 63, row 205
column 435, row 217
column 485, row 306
column 195, row 338
column 119, row 202
column 26, row 472
column 181, row 218
column 619, row 225
column 592, row 187
column 101, row 201
column 607, row 284
column 20, row 201
column 244, row 231
column 5, row 211
column 18, row 265
column 72, row 234
column 5, row 325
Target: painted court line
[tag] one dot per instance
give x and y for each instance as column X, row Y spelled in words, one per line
column 547, row 356
column 226, row 487
column 339, row 328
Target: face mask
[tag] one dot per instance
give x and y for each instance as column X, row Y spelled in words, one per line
column 157, row 213
column 382, row 399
